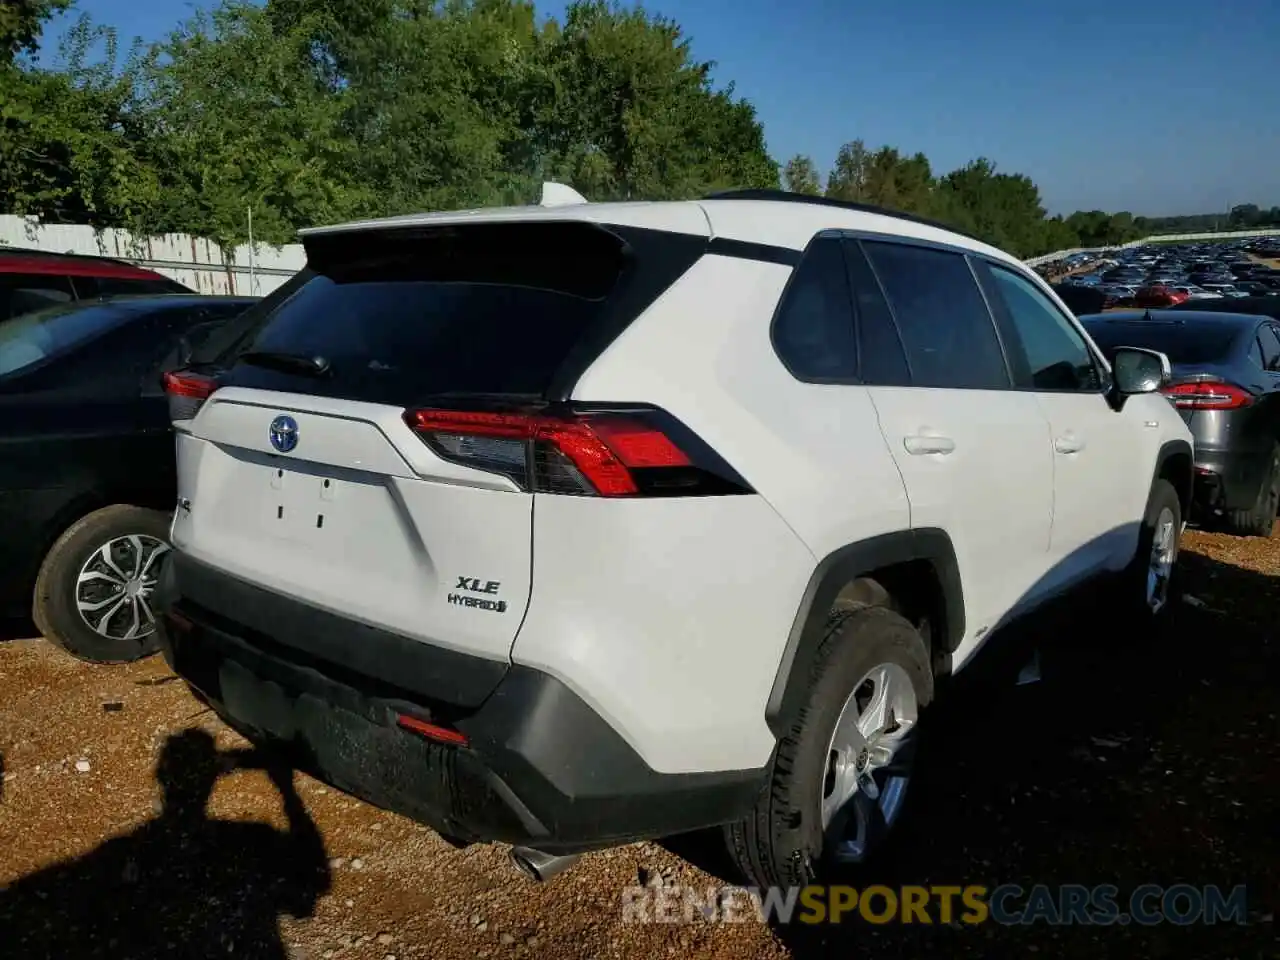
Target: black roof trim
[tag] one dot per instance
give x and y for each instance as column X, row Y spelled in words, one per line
column 786, row 196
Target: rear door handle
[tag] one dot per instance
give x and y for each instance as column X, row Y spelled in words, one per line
column 918, row 446
column 1068, row 444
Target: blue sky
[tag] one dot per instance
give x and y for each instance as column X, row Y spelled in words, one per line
column 1154, row 106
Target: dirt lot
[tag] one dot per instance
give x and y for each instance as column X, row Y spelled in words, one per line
column 1129, row 764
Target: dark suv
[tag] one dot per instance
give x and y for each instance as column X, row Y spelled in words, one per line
column 32, row 280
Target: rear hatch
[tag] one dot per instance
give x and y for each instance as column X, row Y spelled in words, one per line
column 302, row 471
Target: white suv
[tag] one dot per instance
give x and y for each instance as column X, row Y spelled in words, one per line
column 575, row 524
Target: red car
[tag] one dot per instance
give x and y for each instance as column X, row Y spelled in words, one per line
column 1159, row 296
column 31, row 280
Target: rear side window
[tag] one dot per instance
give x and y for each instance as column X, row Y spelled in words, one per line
column 813, row 332
column 492, row 309
column 948, row 332
column 26, row 293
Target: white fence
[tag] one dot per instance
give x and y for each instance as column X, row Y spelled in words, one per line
column 199, row 264
column 204, row 266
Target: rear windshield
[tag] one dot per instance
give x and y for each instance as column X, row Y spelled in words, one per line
column 1181, row 343
column 483, row 309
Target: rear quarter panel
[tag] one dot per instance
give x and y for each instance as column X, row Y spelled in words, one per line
column 672, row 616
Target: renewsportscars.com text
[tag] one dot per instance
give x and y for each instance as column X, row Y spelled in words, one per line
column 1007, row 904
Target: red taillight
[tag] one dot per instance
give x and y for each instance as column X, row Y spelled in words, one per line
column 638, row 445
column 432, row 731
column 1208, row 395
column 589, row 453
column 187, row 392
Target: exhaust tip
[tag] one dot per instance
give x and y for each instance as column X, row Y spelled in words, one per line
column 538, row 866
column 524, row 867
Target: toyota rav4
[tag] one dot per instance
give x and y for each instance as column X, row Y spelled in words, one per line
column 575, row 524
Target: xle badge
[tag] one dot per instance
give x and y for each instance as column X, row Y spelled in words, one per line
column 477, row 594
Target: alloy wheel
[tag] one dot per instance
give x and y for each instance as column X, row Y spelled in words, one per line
column 115, row 586
column 869, row 761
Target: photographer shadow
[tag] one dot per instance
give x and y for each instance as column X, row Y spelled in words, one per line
column 181, row 884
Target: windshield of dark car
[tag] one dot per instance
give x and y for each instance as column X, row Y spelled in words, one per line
column 34, row 337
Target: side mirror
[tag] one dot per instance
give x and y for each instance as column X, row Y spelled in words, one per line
column 1137, row 370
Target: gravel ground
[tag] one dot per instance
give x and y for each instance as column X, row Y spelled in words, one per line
column 1154, row 762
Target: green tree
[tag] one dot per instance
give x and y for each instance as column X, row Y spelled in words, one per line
column 898, row 182
column 69, row 137
column 1245, row 215
column 1003, row 209
column 21, row 23
column 633, row 116
column 801, row 176
column 236, row 122
column 311, row 111
column 849, row 175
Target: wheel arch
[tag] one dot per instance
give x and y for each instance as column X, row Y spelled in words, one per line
column 1175, row 462
column 837, row 579
column 79, row 503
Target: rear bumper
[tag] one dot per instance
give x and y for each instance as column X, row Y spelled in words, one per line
column 1228, row 480
column 540, row 767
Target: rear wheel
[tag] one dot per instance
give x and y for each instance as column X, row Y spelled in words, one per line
column 1260, row 519
column 93, row 593
column 840, row 775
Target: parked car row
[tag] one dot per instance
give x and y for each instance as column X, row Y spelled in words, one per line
column 1166, row 275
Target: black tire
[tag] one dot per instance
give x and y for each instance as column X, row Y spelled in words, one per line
column 781, row 843
column 54, row 607
column 1260, row 519
column 1132, row 596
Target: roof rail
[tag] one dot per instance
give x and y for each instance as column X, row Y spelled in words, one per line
column 786, row 196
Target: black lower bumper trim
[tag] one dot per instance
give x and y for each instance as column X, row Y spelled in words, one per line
column 308, row 632
column 541, row 766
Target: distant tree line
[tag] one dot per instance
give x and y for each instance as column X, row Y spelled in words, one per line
column 1245, row 216
column 1002, row 208
column 316, row 111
